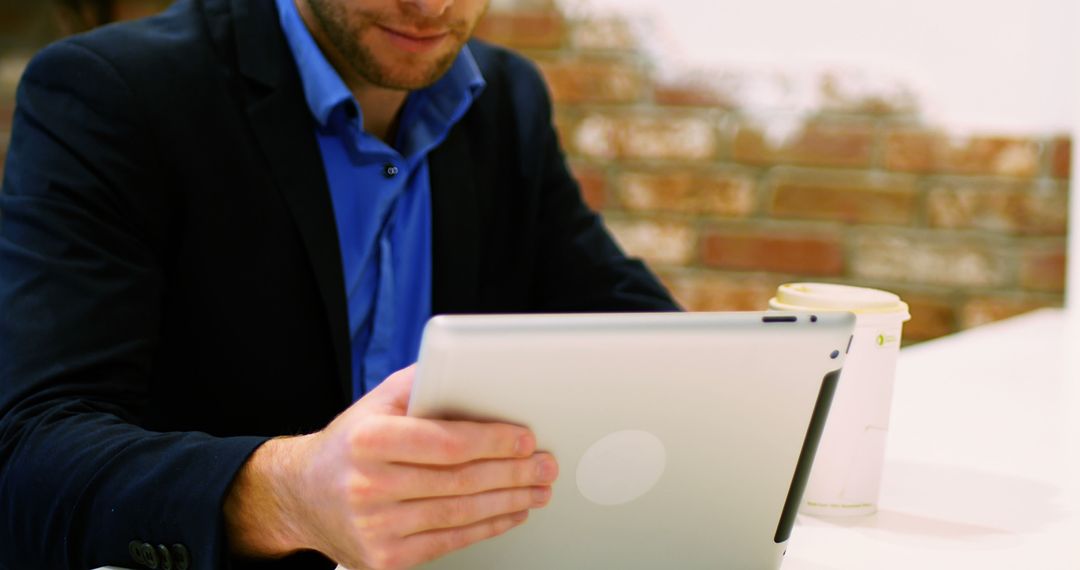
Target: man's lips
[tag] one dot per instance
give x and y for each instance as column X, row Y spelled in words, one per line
column 414, row 42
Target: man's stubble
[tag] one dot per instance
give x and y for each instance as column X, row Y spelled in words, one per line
column 345, row 30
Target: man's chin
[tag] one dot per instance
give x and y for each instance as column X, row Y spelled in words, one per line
column 408, row 83
column 407, row 77
column 400, row 68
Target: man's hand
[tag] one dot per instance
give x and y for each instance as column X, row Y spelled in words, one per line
column 377, row 489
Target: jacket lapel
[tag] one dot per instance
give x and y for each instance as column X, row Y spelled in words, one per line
column 285, row 131
column 455, row 231
column 278, row 115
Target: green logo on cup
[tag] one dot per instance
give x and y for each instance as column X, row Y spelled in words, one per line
column 885, row 339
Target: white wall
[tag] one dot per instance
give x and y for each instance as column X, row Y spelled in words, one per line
column 982, row 65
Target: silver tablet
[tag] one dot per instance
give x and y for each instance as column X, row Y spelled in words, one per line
column 684, row 439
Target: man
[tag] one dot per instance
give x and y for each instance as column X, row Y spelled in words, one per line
column 229, row 223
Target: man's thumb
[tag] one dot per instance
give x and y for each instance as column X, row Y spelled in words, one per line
column 392, row 395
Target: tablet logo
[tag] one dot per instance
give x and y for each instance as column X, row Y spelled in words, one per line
column 621, row 467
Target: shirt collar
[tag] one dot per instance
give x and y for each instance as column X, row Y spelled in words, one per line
column 323, row 87
column 446, row 100
column 430, row 113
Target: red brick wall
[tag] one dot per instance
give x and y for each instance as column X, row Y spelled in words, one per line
column 968, row 229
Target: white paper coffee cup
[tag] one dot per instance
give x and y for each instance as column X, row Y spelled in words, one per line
column 846, row 477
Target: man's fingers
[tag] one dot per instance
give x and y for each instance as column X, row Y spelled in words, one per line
column 413, row 482
column 413, row 517
column 402, row 439
column 426, row 546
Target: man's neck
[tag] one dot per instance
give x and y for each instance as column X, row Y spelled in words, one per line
column 381, row 106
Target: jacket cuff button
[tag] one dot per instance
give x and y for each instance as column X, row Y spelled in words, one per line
column 149, row 556
column 181, row 558
column 143, row 553
column 164, row 557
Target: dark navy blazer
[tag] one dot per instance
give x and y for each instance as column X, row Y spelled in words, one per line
column 170, row 281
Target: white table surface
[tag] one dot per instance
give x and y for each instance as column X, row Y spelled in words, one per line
column 982, row 467
column 981, row 461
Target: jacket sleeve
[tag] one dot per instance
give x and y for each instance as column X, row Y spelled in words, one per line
column 82, row 215
column 580, row 267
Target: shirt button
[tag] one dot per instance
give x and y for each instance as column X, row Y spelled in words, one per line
column 390, row 170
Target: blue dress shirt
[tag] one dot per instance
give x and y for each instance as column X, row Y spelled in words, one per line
column 381, row 196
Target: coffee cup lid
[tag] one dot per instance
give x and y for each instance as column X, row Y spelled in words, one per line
column 828, row 296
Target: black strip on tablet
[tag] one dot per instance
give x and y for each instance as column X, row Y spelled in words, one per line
column 806, row 457
column 779, row 319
